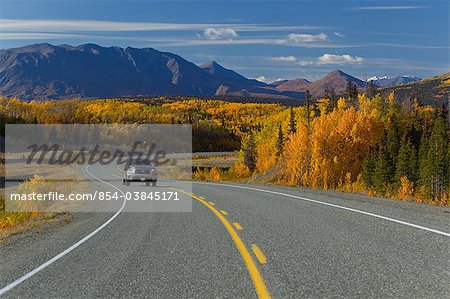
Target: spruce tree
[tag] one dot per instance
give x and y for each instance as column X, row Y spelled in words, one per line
column 308, row 106
column 381, row 175
column 406, row 161
column 368, row 168
column 372, row 90
column 437, row 158
column 249, row 152
column 413, row 164
column 352, row 93
column 402, row 161
column 280, row 142
column 348, row 90
column 392, row 145
column 333, row 98
column 292, row 123
column 424, row 170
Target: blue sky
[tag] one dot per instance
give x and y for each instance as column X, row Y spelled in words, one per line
column 260, row 39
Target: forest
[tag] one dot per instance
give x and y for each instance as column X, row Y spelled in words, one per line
column 362, row 142
column 366, row 144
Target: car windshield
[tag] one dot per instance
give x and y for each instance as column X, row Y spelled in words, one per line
column 139, row 166
column 143, row 167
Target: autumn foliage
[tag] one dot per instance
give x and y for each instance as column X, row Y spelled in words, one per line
column 332, row 147
column 363, row 143
column 376, row 146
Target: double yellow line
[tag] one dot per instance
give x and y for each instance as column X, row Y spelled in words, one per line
column 258, row 281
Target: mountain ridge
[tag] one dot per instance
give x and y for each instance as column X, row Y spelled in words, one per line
column 392, row 81
column 336, row 80
column 45, row 71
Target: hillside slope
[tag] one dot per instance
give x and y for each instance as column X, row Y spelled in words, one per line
column 336, row 80
column 431, row 91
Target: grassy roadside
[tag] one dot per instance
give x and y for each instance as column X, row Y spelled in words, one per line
column 233, row 173
column 26, row 224
column 12, row 223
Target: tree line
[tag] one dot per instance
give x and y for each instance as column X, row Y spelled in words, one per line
column 361, row 143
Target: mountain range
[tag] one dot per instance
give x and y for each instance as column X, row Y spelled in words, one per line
column 91, row 71
column 391, row 81
column 336, row 80
column 430, row 91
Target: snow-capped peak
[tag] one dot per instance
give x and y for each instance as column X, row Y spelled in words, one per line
column 375, row 78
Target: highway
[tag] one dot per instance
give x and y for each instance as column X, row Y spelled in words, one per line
column 239, row 241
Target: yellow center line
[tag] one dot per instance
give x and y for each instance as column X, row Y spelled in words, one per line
column 259, row 254
column 211, row 203
column 225, row 213
column 258, row 281
column 237, row 226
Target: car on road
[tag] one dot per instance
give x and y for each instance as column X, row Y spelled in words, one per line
column 140, row 173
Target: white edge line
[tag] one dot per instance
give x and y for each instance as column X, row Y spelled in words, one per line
column 334, row 206
column 71, row 248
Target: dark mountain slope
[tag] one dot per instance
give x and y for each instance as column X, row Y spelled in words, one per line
column 229, row 76
column 92, row 71
column 431, row 91
column 294, row 84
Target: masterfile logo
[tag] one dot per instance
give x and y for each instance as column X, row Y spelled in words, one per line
column 97, row 168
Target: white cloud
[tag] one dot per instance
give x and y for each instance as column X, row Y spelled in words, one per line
column 338, row 34
column 321, row 60
column 219, row 33
column 240, row 41
column 214, row 34
column 44, row 25
column 306, row 38
column 283, row 59
column 339, row 59
column 306, row 62
column 37, row 35
column 387, row 7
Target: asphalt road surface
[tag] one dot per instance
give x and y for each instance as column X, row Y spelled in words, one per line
column 239, row 241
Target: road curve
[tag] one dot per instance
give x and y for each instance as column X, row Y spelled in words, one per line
column 303, row 243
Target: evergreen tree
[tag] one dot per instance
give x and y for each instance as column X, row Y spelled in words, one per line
column 413, row 164
column 406, row 161
column 448, row 170
column 280, row 142
column 437, row 158
column 372, row 90
column 333, row 98
column 292, row 123
column 443, row 112
column 392, row 145
column 423, row 172
column 381, row 174
column 368, row 168
column 348, row 90
column 308, row 107
column 352, row 93
column 249, row 152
